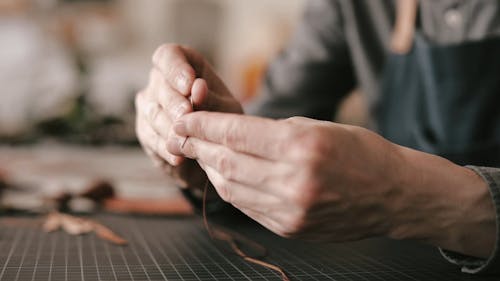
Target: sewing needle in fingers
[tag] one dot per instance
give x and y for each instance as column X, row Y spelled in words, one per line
column 192, row 105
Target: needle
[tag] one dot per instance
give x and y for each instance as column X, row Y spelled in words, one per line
column 192, row 105
column 185, row 140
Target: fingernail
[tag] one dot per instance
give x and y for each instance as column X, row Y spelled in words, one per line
column 174, row 145
column 180, row 128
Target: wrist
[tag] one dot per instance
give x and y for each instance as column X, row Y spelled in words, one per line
column 442, row 204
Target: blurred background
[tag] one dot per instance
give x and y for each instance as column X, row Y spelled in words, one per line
column 69, row 69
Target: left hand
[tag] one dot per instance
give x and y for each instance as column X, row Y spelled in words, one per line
column 298, row 177
column 180, row 79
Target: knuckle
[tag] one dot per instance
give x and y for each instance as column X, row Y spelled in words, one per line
column 231, row 135
column 294, row 119
column 306, row 191
column 285, row 145
column 172, row 64
column 152, row 111
column 294, row 193
column 172, row 74
column 225, row 165
column 154, row 114
column 184, row 70
column 175, row 108
column 282, row 231
column 314, row 140
column 163, row 51
column 310, row 146
column 196, row 126
column 293, row 225
column 175, row 72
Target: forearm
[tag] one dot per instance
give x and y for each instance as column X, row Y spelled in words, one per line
column 443, row 204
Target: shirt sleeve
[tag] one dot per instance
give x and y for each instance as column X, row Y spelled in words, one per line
column 492, row 264
column 314, row 72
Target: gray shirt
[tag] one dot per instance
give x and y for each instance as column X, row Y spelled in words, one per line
column 342, row 44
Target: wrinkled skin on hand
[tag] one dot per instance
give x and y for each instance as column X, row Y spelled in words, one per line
column 298, row 177
column 305, row 178
column 179, row 80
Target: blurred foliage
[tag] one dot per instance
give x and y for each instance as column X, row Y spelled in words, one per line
column 81, row 126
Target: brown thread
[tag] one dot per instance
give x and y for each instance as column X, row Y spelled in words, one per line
column 227, row 237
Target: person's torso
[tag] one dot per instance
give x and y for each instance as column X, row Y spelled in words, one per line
column 368, row 25
column 441, row 94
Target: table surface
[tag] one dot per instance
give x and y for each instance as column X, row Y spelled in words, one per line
column 49, row 168
column 166, row 248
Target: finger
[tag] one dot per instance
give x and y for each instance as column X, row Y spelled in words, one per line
column 262, row 137
column 139, row 103
column 264, row 208
column 237, row 194
column 199, row 93
column 205, row 99
column 300, row 120
column 173, row 63
column 154, row 142
column 147, row 108
column 171, row 100
column 234, row 166
column 163, row 128
column 148, row 111
column 155, row 116
column 162, row 125
column 155, row 158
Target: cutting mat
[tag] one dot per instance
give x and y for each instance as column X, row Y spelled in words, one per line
column 179, row 249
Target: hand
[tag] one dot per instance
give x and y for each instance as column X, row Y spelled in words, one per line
column 298, row 177
column 173, row 91
column 323, row 181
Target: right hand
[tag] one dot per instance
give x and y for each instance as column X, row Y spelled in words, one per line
column 180, row 81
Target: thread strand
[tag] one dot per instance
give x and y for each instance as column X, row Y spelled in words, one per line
column 222, row 235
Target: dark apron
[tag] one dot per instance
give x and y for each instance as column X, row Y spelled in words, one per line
column 444, row 100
